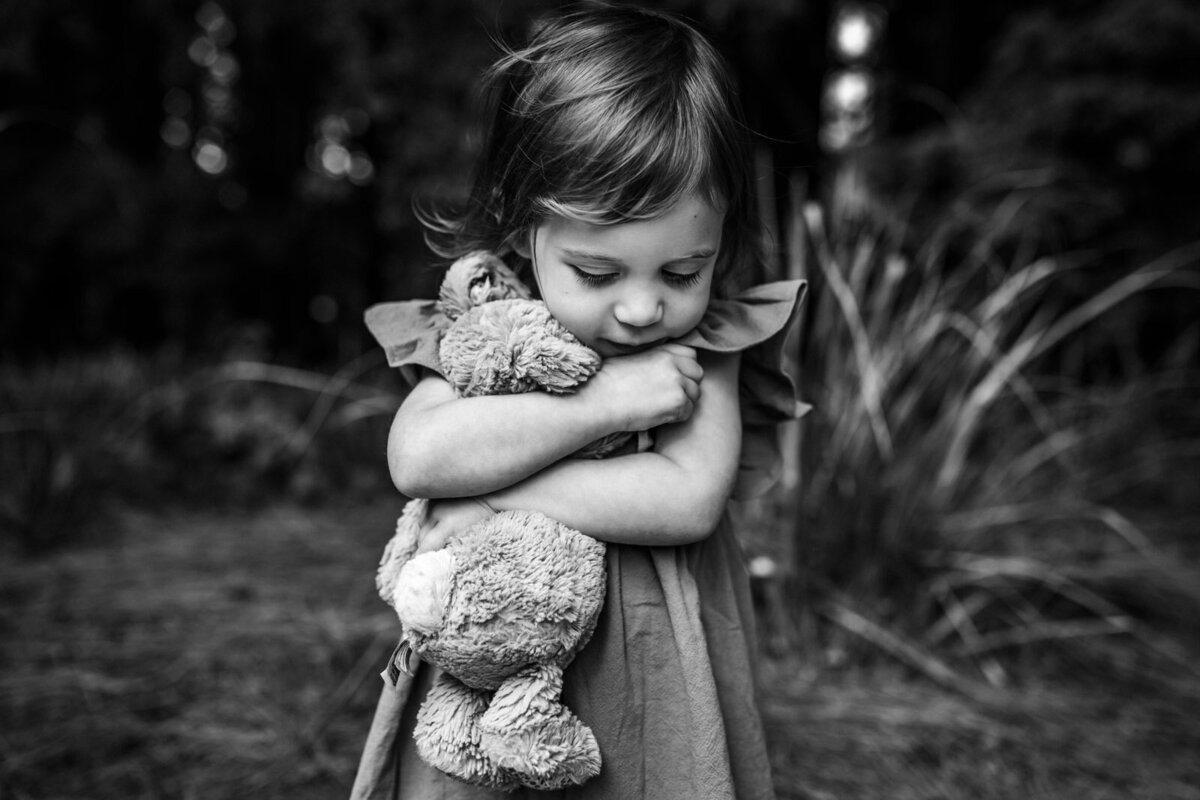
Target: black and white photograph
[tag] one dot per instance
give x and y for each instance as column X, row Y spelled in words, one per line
column 600, row 400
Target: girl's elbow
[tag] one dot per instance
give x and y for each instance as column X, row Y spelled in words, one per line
column 409, row 475
column 700, row 518
column 404, row 479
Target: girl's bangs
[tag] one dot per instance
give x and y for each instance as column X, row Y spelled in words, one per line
column 634, row 186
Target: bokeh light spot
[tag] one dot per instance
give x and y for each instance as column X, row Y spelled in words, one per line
column 213, row 19
column 210, row 157
column 335, row 159
column 225, row 70
column 334, row 126
column 857, row 31
column 175, row 132
column 850, row 90
column 361, row 169
column 203, row 51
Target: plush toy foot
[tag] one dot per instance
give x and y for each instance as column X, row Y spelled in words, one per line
column 527, row 730
column 448, row 738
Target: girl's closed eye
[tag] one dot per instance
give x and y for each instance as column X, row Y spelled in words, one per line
column 682, row 280
column 592, row 278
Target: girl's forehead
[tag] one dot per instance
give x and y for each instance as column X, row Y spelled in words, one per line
column 691, row 227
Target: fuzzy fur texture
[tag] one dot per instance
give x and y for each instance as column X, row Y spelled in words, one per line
column 526, row 590
column 400, row 548
column 513, row 347
column 503, row 608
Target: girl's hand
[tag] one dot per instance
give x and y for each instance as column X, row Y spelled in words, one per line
column 648, row 389
column 449, row 518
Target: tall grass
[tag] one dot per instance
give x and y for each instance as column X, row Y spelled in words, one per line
column 80, row 434
column 967, row 499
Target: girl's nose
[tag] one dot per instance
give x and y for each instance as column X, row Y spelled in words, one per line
column 639, row 309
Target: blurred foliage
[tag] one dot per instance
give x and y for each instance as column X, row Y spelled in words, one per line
column 84, row 435
column 1082, row 121
column 1083, row 111
column 967, row 488
column 112, row 236
column 1078, row 136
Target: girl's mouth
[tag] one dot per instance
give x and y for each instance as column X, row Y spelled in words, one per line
column 620, row 349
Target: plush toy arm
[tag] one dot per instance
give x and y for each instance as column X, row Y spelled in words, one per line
column 557, row 363
column 401, row 548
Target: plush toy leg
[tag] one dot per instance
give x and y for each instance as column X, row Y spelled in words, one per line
column 528, row 730
column 447, row 734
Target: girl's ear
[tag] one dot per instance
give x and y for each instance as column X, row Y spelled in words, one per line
column 520, row 244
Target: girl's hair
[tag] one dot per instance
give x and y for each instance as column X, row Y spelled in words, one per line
column 609, row 114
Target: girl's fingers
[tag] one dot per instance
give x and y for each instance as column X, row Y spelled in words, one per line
column 680, row 350
column 426, row 541
column 685, row 360
column 434, row 535
column 690, row 368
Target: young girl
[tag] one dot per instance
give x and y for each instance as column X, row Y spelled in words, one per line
column 614, row 176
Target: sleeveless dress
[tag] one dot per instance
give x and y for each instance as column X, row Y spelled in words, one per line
column 667, row 681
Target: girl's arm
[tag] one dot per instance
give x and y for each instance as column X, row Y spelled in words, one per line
column 445, row 446
column 671, row 495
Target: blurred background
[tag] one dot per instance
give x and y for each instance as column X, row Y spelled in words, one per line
column 978, row 576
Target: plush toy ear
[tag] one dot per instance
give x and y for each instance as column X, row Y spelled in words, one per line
column 478, row 277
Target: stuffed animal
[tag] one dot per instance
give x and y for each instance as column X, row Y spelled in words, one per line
column 504, row 607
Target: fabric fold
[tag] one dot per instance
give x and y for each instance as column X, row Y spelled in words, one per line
column 409, row 333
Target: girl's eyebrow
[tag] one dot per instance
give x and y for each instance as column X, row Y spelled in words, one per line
column 695, row 255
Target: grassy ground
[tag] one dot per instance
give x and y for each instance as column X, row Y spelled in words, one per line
column 227, row 655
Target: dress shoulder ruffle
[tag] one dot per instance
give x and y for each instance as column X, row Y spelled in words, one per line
column 409, row 333
column 759, row 324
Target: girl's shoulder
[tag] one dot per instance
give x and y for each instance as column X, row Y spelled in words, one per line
column 760, row 324
column 751, row 318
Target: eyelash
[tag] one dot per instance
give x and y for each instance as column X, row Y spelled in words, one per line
column 589, row 279
column 677, row 279
column 681, row 279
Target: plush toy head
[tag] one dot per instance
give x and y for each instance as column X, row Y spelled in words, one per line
column 475, row 279
column 501, row 342
column 503, row 608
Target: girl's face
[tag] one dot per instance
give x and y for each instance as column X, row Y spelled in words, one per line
column 626, row 287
